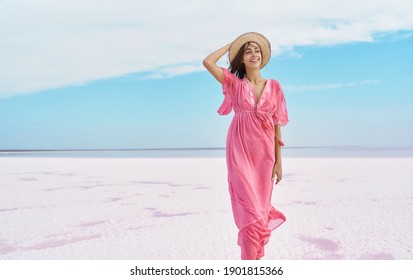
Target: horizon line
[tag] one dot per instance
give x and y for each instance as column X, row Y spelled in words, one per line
column 186, row 149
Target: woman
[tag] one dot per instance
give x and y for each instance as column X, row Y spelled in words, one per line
column 253, row 151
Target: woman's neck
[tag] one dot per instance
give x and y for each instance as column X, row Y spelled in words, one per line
column 254, row 76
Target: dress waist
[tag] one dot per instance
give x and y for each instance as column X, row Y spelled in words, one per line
column 266, row 118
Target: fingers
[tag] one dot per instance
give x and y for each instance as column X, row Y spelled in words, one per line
column 278, row 179
column 278, row 173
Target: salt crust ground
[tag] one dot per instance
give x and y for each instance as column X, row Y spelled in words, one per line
column 144, row 209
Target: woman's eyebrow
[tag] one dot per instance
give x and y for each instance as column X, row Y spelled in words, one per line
column 250, row 48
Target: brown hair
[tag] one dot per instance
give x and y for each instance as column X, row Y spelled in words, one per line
column 237, row 67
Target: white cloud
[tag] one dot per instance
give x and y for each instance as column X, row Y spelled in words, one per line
column 51, row 43
column 174, row 70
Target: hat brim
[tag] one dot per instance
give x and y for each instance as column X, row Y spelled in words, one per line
column 258, row 38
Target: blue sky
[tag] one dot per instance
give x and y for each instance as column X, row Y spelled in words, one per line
column 342, row 88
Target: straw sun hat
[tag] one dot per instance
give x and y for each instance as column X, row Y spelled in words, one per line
column 251, row 37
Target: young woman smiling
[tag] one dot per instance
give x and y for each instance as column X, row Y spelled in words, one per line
column 253, row 147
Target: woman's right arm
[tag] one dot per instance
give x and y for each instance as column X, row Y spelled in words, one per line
column 210, row 62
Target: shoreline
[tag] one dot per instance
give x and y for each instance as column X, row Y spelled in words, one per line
column 329, row 151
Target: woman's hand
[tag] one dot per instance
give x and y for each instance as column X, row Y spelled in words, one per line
column 277, row 171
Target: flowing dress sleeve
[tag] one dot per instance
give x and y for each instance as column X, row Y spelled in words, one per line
column 281, row 114
column 228, row 85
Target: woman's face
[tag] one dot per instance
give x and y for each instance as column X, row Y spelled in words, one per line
column 252, row 56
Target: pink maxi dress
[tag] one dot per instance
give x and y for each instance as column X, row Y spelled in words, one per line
column 250, row 156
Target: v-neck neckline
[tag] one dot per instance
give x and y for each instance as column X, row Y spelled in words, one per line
column 256, row 99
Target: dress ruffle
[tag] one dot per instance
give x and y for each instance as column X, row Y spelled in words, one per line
column 255, row 236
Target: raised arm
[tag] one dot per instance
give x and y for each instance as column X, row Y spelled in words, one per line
column 210, row 62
